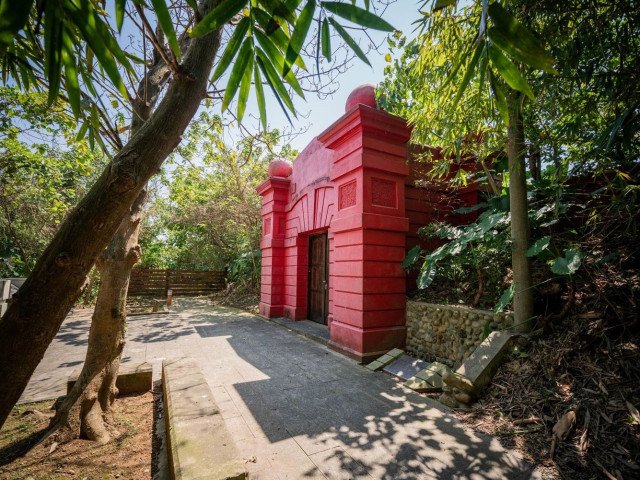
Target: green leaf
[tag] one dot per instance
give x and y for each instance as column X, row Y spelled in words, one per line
column 95, row 33
column 349, row 41
column 299, row 34
column 509, row 72
column 166, row 24
column 120, row 9
column 440, row 4
column 274, row 81
column 53, row 48
column 278, row 60
column 411, row 258
column 271, row 26
column 237, row 72
column 358, row 15
column 13, row 16
column 468, row 75
column 71, row 75
column 286, row 10
column 539, row 246
column 510, row 35
column 245, row 86
column 505, row 298
column 274, row 32
column 326, row 40
column 82, row 131
column 257, row 79
column 568, row 264
column 533, row 61
column 500, row 98
column 217, row 17
column 427, row 274
column 233, row 45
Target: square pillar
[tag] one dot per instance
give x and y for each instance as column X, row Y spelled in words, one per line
column 275, row 195
column 367, row 282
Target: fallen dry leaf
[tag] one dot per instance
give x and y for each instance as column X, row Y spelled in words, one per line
column 634, row 412
column 562, row 428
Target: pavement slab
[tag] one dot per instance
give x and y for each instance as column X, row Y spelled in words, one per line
column 296, row 409
column 405, row 367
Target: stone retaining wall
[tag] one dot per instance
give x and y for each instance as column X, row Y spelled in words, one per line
column 447, row 333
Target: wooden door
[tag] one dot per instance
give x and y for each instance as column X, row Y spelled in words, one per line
column 318, row 278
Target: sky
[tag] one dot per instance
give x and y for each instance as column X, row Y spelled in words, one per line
column 323, row 112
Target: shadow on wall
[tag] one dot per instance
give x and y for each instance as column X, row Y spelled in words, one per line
column 348, row 419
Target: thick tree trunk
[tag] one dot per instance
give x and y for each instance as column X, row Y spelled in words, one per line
column 38, row 309
column 95, row 390
column 523, row 296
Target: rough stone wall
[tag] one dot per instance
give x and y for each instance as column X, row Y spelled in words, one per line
column 446, row 333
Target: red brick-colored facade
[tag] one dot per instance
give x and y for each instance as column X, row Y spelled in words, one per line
column 352, row 182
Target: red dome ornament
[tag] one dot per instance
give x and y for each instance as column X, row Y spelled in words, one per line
column 364, row 94
column 280, row 168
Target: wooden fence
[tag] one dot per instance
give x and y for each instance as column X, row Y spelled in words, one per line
column 156, row 282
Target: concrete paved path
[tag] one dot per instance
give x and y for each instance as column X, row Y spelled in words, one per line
column 296, row 409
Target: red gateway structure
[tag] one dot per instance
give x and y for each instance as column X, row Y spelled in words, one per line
column 336, row 227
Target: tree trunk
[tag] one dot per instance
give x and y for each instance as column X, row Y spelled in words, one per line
column 523, row 295
column 38, row 309
column 95, row 390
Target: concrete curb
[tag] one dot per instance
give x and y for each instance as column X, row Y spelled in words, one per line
column 199, row 444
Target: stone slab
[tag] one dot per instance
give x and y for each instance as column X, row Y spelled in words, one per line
column 384, row 360
column 429, row 379
column 132, row 378
column 482, row 364
column 405, row 367
column 200, row 445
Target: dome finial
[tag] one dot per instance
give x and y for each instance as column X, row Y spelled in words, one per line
column 280, row 168
column 364, row 94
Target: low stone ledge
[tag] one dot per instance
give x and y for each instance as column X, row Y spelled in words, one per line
column 199, row 444
column 132, row 378
column 477, row 370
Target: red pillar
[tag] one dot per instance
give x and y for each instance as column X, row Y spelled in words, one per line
column 275, row 196
column 367, row 297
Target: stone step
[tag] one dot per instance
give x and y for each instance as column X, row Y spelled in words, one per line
column 430, row 379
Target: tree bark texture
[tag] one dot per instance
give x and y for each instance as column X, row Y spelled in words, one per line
column 38, row 309
column 520, row 235
column 96, row 389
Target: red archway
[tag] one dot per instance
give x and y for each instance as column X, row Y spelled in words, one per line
column 350, row 183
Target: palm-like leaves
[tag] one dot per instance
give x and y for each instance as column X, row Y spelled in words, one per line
column 276, row 39
column 56, row 43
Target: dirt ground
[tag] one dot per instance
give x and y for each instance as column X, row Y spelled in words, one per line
column 585, row 371
column 127, row 457
column 243, row 298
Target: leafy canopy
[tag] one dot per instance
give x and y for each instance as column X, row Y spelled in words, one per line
column 73, row 46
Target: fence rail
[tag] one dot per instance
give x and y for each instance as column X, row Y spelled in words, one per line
column 156, row 282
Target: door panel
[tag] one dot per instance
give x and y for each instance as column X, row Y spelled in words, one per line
column 318, row 278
